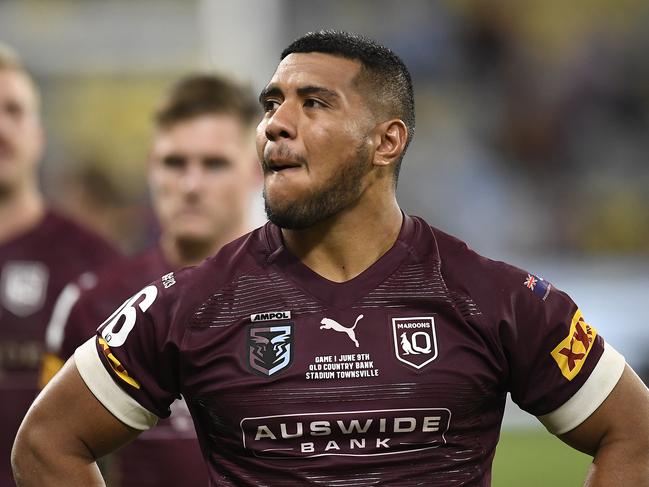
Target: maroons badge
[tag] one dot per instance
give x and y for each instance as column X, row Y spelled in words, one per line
column 415, row 342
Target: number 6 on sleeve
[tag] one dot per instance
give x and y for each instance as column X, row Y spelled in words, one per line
column 111, row 331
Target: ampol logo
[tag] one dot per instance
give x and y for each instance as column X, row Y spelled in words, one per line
column 415, row 342
column 271, row 316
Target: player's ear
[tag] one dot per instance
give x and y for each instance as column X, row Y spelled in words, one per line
column 392, row 136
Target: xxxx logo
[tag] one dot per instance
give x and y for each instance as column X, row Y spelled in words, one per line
column 571, row 353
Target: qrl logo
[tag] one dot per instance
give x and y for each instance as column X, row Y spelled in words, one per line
column 270, row 348
column 415, row 342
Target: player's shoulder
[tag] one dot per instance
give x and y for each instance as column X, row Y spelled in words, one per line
column 186, row 289
column 459, row 261
column 493, row 284
column 62, row 231
column 122, row 278
column 57, row 223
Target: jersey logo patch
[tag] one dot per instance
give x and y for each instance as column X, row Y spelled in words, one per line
column 538, row 286
column 329, row 324
column 271, row 316
column 270, row 348
column 415, row 341
column 168, row 280
column 572, row 351
column 23, row 287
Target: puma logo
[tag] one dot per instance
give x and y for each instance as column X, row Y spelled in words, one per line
column 329, row 324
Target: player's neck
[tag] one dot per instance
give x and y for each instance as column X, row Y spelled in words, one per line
column 343, row 246
column 186, row 252
column 20, row 211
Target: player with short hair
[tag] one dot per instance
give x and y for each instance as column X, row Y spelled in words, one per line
column 40, row 250
column 202, row 172
column 343, row 343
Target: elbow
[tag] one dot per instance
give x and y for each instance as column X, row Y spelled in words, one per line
column 36, row 454
column 25, row 456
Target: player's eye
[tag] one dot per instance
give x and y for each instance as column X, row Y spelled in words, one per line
column 174, row 162
column 270, row 105
column 13, row 109
column 313, row 103
column 215, row 163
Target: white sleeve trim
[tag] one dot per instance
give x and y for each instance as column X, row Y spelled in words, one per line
column 590, row 396
column 102, row 385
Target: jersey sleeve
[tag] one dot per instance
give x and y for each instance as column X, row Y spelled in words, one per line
column 560, row 368
column 131, row 364
column 63, row 334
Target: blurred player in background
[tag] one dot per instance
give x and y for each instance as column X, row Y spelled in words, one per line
column 202, row 172
column 40, row 251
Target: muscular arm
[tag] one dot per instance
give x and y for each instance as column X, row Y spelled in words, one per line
column 617, row 435
column 63, row 433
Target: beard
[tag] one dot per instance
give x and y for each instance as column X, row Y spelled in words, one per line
column 338, row 193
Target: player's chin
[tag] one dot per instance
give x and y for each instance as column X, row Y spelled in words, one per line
column 284, row 192
column 279, row 202
column 198, row 231
column 286, row 181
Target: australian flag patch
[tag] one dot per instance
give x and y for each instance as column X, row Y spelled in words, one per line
column 538, row 286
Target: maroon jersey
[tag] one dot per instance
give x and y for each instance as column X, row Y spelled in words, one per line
column 396, row 377
column 168, row 455
column 34, row 267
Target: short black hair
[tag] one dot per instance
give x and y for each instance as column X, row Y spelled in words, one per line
column 382, row 71
column 206, row 94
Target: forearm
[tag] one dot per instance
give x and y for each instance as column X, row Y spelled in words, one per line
column 617, row 436
column 63, row 433
column 620, row 463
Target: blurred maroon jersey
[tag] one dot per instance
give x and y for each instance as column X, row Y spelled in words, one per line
column 34, row 268
column 169, row 454
column 395, row 377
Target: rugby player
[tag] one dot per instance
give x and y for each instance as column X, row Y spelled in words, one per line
column 202, row 172
column 343, row 343
column 40, row 251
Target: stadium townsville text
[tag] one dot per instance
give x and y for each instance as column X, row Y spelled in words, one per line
column 344, row 366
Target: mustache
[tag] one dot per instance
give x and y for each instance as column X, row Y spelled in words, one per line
column 281, row 152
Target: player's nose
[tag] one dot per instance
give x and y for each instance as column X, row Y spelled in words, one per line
column 282, row 123
column 191, row 179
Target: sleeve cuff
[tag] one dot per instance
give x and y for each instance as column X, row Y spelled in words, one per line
column 590, row 396
column 104, row 388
